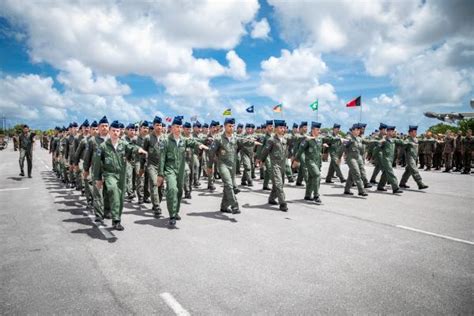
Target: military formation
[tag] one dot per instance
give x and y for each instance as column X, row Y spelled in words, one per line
column 145, row 163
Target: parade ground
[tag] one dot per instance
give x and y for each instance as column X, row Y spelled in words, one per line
column 411, row 253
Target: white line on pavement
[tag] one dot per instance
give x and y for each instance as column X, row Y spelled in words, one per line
column 173, row 304
column 13, row 189
column 436, row 235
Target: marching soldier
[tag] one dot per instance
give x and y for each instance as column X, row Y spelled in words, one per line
column 312, row 149
column 335, row 152
column 130, row 162
column 438, row 154
column 172, row 163
column 458, row 152
column 377, row 153
column 302, row 171
column 429, row 147
column 188, row 167
column 141, row 177
column 110, row 169
column 352, row 147
column 247, row 153
column 79, row 158
column 449, row 146
column 388, row 151
column 276, row 149
column 267, row 166
column 196, row 171
column 411, row 149
column 25, row 144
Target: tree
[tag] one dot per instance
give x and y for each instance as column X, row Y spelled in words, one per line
column 441, row 128
column 466, row 124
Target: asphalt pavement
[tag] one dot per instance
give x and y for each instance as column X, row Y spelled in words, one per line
column 385, row 254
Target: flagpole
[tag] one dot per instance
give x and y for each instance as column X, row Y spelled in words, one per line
column 360, row 114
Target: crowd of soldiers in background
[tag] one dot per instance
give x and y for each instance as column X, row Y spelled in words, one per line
column 210, row 153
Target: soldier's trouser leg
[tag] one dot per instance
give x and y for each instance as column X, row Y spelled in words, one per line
column 267, row 173
column 467, row 161
column 98, row 200
column 428, row 160
column 314, row 180
column 448, row 161
column 331, row 171
column 22, row 160
column 187, row 178
column 246, row 176
column 302, row 172
column 146, row 189
column 278, row 180
column 174, row 192
column 288, row 172
column 354, row 176
column 153, row 185
column 139, row 183
column 114, row 190
column 29, row 161
column 422, row 159
column 390, row 175
column 129, row 179
column 196, row 169
column 228, row 198
column 78, row 176
column 66, row 171
column 88, row 189
column 411, row 170
column 238, row 161
column 363, row 174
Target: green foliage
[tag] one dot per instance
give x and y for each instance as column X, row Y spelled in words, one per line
column 466, row 124
column 441, row 128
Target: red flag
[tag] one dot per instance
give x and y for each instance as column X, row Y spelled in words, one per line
column 352, row 103
column 169, row 119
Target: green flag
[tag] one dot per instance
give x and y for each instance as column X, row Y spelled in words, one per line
column 314, row 105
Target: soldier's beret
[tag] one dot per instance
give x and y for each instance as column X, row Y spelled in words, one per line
column 115, row 124
column 131, row 126
column 315, row 125
column 197, row 124
column 178, row 120
column 144, row 124
column 280, row 123
column 383, row 126
column 268, row 122
column 25, row 126
column 362, row 125
column 295, row 125
column 336, row 125
column 240, row 125
column 205, row 125
column 64, row 129
column 94, row 124
column 229, row 120
column 252, row 125
column 74, row 124
column 57, row 128
column 187, row 125
column 104, row 120
column 247, row 125
column 412, row 128
column 355, row 126
column 391, row 128
column 157, row 120
column 86, row 123
column 304, row 123
column 121, row 125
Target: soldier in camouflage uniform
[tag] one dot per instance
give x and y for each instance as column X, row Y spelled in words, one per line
column 141, row 178
column 130, row 138
column 276, row 149
column 387, row 147
column 467, row 150
column 79, row 158
column 449, row 147
column 302, row 171
column 247, row 154
column 411, row 149
column 25, row 144
column 196, row 171
column 267, row 166
column 188, row 167
column 352, row 148
column 376, row 152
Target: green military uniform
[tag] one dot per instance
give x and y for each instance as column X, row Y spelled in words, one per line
column 354, row 161
column 110, row 167
column 101, row 206
column 267, row 166
column 429, row 148
column 467, row 150
column 388, row 151
column 335, row 152
column 79, row 161
column 152, row 146
column 302, row 170
column 311, row 148
column 411, row 150
column 196, row 164
column 377, row 154
column 247, row 151
column 131, row 172
column 172, row 169
column 188, row 170
column 449, row 146
column 141, row 182
column 276, row 150
column 25, row 144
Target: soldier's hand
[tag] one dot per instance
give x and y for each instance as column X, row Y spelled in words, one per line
column 295, row 164
column 143, row 152
column 325, row 145
column 85, row 174
column 257, row 163
column 203, row 147
column 141, row 172
column 159, row 181
column 99, row 184
column 258, row 143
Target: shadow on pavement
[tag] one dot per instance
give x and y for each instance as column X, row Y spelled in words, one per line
column 157, row 222
column 214, row 215
column 265, row 206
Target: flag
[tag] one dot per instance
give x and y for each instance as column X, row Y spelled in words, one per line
column 168, row 119
column 314, row 105
column 355, row 102
column 250, row 109
column 194, row 118
column 278, row 108
column 227, row 112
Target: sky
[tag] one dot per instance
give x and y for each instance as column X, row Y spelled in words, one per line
column 64, row 61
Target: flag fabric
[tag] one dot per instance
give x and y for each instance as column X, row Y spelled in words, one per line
column 353, row 103
column 194, row 118
column 278, row 108
column 314, row 106
column 168, row 119
column 250, row 109
column 227, row 112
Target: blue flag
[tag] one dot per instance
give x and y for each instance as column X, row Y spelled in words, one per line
column 250, row 109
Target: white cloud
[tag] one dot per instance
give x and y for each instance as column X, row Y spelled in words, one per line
column 113, row 38
column 237, row 67
column 292, row 79
column 81, row 79
column 260, row 29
